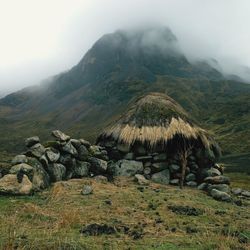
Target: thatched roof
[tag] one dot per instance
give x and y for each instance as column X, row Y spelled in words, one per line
column 155, row 118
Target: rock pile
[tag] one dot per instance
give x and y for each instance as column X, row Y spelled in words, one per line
column 66, row 158
column 62, row 159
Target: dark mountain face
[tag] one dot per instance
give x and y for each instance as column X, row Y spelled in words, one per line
column 118, row 67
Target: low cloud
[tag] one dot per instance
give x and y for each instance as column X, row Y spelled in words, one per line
column 46, row 37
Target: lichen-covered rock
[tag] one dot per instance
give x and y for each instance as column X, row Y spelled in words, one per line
column 11, row 185
column 87, row 189
column 124, row 148
column 221, row 187
column 37, row 150
column 19, row 159
column 190, row 177
column 24, row 169
column 160, row 157
column 191, row 183
column 57, row 171
column 174, row 182
column 140, row 179
column 69, row 148
column 85, row 143
column 60, row 135
column 83, row 153
column 126, row 168
column 174, row 168
column 98, row 166
column 81, row 169
column 237, row 191
column 40, row 179
column 159, row 166
column 52, row 155
column 162, row 177
column 219, row 195
column 213, row 172
column 217, row 180
column 29, row 142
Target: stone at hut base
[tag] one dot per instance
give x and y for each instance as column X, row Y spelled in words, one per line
column 160, row 157
column 174, row 168
column 190, row 177
column 236, row 191
column 213, row 172
column 98, row 166
column 221, row 187
column 217, row 180
column 140, row 179
column 157, row 167
column 246, row 194
column 219, row 195
column 162, row 177
column 174, row 182
column 129, row 156
column 124, row 148
column 127, row 168
column 203, row 186
column 192, row 183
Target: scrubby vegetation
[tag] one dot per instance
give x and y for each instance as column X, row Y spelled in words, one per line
column 128, row 216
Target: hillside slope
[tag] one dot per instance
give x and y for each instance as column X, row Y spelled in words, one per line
column 119, row 67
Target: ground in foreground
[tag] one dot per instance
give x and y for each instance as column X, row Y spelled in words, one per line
column 129, row 216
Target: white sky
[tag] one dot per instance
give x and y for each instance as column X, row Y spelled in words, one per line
column 39, row 38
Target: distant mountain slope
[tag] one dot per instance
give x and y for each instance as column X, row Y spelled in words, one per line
column 117, row 68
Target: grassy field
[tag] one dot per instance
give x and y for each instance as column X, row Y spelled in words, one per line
column 140, row 218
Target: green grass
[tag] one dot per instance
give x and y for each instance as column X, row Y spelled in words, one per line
column 53, row 218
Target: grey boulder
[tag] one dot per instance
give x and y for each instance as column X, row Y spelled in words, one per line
column 37, row 150
column 221, row 187
column 162, row 177
column 127, row 168
column 81, row 169
column 87, row 189
column 219, row 195
column 220, row 179
column 140, row 179
column 40, row 179
column 57, row 171
column 69, row 148
column 98, row 166
column 52, row 155
column 24, row 169
column 29, row 142
column 19, row 159
column 11, row 185
column 60, row 135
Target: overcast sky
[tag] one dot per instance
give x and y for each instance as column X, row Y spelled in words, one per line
column 40, row 38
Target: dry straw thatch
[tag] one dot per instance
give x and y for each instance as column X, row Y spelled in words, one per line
column 154, row 119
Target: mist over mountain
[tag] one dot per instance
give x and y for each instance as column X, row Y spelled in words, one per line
column 118, row 67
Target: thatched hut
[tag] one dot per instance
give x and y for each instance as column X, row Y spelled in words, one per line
column 155, row 128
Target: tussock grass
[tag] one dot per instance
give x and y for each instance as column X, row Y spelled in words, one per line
column 53, row 219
